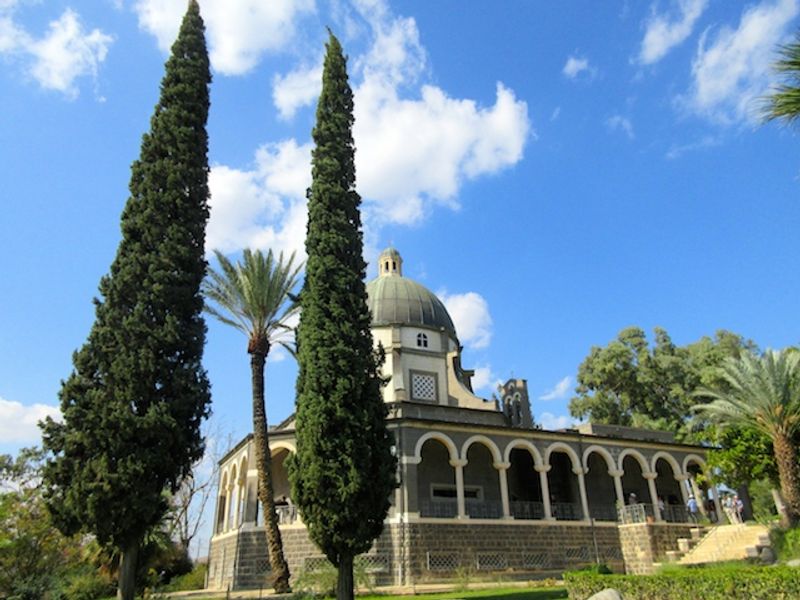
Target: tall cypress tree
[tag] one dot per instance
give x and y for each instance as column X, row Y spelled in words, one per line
column 133, row 405
column 343, row 471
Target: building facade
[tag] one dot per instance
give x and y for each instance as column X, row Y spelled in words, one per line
column 481, row 488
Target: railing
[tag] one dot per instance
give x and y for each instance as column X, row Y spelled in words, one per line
column 440, row 509
column 484, row 510
column 286, row 514
column 603, row 512
column 636, row 513
column 675, row 513
column 566, row 511
column 523, row 509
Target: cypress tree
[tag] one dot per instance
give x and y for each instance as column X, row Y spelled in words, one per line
column 133, row 405
column 343, row 471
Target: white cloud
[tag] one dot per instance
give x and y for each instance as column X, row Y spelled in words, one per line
column 470, row 314
column 678, row 150
column 64, row 54
column 575, row 66
column 18, row 423
column 551, row 422
column 559, row 390
column 664, row 33
column 733, row 67
column 620, row 123
column 294, row 90
column 413, row 153
column 483, row 379
column 239, row 33
column 263, row 207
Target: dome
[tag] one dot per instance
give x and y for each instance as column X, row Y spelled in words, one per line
column 396, row 300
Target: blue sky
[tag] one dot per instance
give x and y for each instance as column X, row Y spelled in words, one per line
column 555, row 171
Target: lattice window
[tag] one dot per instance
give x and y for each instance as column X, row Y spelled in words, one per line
column 423, row 387
column 491, row 562
column 612, row 553
column 262, row 566
column 315, row 563
column 442, row 562
column 372, row 563
column 579, row 553
column 536, row 560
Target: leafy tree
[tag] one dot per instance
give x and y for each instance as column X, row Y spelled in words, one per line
column 133, row 406
column 629, row 382
column 343, row 471
column 784, row 102
column 763, row 393
column 742, row 455
column 254, row 296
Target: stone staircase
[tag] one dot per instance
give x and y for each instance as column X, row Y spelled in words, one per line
column 720, row 543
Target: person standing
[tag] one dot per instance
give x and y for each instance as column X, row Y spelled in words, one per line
column 691, row 507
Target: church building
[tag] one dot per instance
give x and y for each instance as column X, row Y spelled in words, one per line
column 482, row 488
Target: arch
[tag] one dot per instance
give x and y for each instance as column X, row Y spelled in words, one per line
column 482, row 439
column 562, row 447
column 602, row 452
column 233, row 479
column 242, row 468
column 693, row 458
column 673, row 462
column 282, row 445
column 635, row 454
column 439, row 437
column 519, row 443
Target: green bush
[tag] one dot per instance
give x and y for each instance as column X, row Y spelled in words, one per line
column 193, row 580
column 786, row 543
column 753, row 583
column 87, row 584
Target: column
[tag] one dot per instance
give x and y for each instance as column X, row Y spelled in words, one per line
column 717, row 504
column 458, row 464
column 699, row 496
column 228, row 499
column 582, row 487
column 651, row 485
column 545, row 485
column 502, row 470
column 617, row 475
column 237, row 497
column 408, row 487
column 681, row 479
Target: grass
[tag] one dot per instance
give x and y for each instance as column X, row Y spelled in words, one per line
column 553, row 593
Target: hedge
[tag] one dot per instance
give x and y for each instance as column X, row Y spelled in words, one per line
column 752, row 583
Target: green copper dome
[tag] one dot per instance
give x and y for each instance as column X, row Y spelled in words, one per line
column 395, row 300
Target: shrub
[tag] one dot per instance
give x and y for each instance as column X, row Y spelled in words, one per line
column 754, row 583
column 87, row 584
column 193, row 580
column 786, row 543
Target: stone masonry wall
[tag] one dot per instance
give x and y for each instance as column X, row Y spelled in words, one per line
column 425, row 551
column 444, row 551
column 646, row 543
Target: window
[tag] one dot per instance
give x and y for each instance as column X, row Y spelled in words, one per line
column 423, row 386
column 444, row 491
column 422, row 340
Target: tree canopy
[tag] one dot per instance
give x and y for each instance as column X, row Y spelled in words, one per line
column 343, row 471
column 784, row 101
column 631, row 382
column 133, row 406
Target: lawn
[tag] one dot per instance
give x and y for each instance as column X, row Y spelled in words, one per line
column 553, row 593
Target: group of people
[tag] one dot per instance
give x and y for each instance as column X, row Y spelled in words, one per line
column 731, row 504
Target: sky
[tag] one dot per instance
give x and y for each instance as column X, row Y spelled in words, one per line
column 554, row 171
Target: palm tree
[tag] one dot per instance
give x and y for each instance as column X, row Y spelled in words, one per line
column 254, row 296
column 784, row 102
column 764, row 393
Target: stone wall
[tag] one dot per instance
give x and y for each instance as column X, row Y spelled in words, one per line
column 443, row 551
column 646, row 543
column 428, row 551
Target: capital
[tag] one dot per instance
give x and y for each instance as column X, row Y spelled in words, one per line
column 579, row 471
column 616, row 472
column 542, row 468
column 650, row 475
column 681, row 477
column 458, row 462
column 501, row 466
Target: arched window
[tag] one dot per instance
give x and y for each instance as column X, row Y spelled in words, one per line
column 422, row 340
